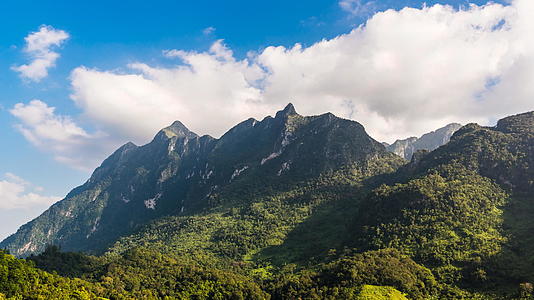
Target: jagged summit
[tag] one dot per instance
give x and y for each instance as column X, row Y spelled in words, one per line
column 126, row 147
column 177, row 125
column 177, row 129
column 287, row 111
column 429, row 141
column 179, row 173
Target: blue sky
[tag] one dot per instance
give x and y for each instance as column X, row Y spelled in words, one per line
column 106, row 36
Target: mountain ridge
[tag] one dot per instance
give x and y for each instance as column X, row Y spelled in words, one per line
column 178, row 171
column 428, row 141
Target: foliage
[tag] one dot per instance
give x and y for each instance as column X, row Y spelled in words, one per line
column 343, row 277
column 249, row 222
column 140, row 273
column 372, row 292
column 19, row 279
column 450, row 221
column 69, row 264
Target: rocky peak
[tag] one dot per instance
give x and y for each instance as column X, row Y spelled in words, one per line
column 289, row 110
column 124, row 148
column 116, row 158
column 137, row 185
column 428, row 141
column 176, row 129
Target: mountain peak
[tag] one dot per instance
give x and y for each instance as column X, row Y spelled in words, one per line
column 177, row 125
column 428, row 141
column 289, row 110
column 177, row 128
column 127, row 146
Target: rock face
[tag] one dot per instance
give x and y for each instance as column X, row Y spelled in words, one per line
column 429, row 141
column 178, row 171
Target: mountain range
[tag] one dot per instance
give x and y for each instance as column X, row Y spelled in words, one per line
column 180, row 173
column 428, row 141
column 298, row 207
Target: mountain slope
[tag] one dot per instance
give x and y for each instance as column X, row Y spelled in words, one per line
column 464, row 210
column 124, row 192
column 428, row 141
column 179, row 173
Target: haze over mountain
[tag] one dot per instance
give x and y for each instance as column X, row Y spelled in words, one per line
column 428, row 141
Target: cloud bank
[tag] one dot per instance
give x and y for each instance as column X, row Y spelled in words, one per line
column 61, row 136
column 17, row 193
column 39, row 47
column 21, row 201
column 403, row 73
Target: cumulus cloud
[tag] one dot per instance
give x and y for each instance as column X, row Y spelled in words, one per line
column 60, row 135
column 402, row 73
column 409, row 71
column 209, row 92
column 39, row 47
column 17, row 193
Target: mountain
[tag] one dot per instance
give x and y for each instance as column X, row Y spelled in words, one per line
column 428, row 141
column 180, row 173
column 293, row 207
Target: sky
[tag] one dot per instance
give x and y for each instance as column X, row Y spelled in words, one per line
column 80, row 78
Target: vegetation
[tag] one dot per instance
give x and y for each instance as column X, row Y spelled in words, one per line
column 450, row 221
column 19, row 279
column 145, row 274
column 345, row 277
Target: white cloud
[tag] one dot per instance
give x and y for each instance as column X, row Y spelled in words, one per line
column 358, row 7
column 20, row 202
column 401, row 74
column 410, row 71
column 208, row 93
column 61, row 136
column 208, row 30
column 38, row 48
column 17, row 193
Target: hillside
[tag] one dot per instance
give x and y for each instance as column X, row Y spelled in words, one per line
column 464, row 210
